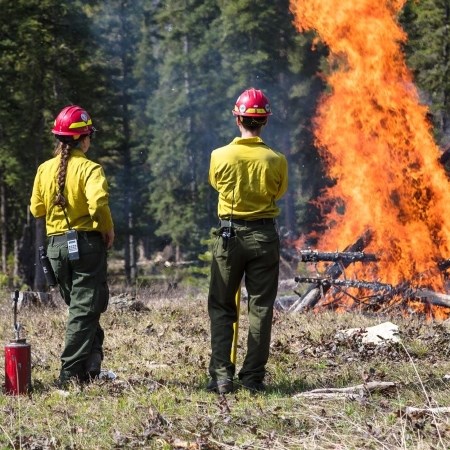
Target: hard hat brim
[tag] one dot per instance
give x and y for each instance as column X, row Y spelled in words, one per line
column 237, row 113
column 71, row 133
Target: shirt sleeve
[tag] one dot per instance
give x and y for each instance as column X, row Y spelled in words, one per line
column 37, row 206
column 212, row 172
column 98, row 200
column 284, row 177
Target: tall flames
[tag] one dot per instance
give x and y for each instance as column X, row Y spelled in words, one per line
column 374, row 137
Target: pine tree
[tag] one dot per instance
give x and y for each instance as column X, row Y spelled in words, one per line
column 183, row 109
column 428, row 56
column 121, row 25
column 261, row 48
column 41, row 56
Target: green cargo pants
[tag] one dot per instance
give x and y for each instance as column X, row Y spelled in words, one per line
column 253, row 252
column 82, row 284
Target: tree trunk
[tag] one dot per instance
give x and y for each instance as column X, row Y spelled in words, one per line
column 132, row 249
column 126, row 66
column 15, row 272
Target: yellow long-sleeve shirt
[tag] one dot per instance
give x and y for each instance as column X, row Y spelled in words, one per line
column 86, row 193
column 250, row 177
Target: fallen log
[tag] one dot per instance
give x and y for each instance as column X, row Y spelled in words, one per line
column 386, row 290
column 411, row 411
column 315, row 292
column 373, row 285
column 434, row 298
column 28, row 299
column 358, row 391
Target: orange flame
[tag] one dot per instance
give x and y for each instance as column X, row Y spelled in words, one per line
column 374, row 138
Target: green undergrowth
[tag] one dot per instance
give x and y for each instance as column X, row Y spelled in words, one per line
column 160, row 355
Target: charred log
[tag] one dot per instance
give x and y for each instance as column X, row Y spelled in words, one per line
column 444, row 265
column 314, row 293
column 372, row 285
column 433, row 298
column 350, row 257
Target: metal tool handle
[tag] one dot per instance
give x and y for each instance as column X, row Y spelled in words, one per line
column 16, row 325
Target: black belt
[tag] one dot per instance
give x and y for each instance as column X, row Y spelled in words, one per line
column 245, row 223
column 60, row 238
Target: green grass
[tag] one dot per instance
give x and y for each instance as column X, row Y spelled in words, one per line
column 158, row 401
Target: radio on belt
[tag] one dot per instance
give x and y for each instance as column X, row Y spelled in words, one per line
column 72, row 244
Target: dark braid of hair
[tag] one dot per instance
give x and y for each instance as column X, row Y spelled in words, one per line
column 63, row 149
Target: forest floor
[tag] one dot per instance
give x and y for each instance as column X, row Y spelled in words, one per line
column 158, row 348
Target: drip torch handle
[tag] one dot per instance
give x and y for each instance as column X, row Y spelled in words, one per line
column 16, row 325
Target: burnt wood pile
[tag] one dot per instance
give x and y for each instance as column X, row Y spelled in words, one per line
column 334, row 279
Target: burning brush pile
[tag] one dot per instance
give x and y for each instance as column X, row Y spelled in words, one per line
column 387, row 210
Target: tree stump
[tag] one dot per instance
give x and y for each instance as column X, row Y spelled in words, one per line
column 27, row 299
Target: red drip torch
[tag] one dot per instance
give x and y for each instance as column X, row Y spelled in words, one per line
column 17, row 360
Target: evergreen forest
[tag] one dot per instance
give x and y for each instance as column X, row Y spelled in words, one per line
column 159, row 79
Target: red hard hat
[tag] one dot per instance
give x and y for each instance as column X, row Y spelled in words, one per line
column 252, row 103
column 72, row 121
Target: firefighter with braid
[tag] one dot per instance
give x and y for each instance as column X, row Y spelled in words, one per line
column 250, row 177
column 71, row 193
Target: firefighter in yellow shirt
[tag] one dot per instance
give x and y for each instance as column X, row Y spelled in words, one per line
column 249, row 177
column 71, row 193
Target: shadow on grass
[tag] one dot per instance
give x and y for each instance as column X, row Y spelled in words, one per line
column 284, row 388
column 289, row 387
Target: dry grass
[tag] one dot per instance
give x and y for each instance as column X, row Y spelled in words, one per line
column 158, row 401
